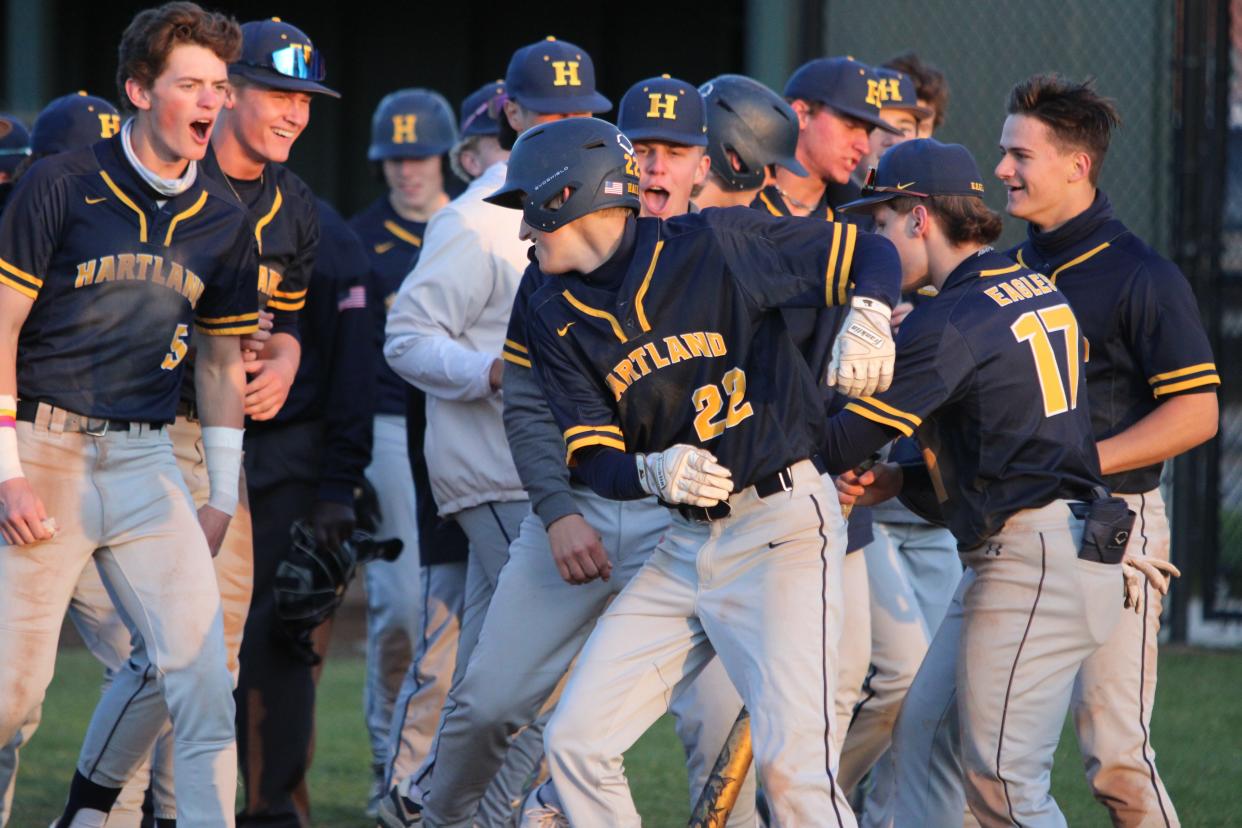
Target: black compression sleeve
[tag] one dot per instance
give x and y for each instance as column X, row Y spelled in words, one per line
column 610, row 473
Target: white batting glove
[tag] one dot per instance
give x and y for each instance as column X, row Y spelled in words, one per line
column 684, row 474
column 863, row 354
column 1136, row 569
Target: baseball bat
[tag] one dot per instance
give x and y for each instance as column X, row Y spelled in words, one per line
column 865, row 465
column 720, row 791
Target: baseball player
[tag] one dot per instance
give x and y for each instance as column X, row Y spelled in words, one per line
column 1151, row 381
column 931, row 90
column 443, row 548
column 14, row 149
column 838, row 102
column 445, row 334
column 67, row 123
column 304, row 464
column 912, row 564
column 666, row 156
column 411, row 132
column 89, row 471
column 478, row 131
column 899, row 108
column 750, row 130
column 990, row 376
column 268, row 113
column 641, row 377
column 575, row 551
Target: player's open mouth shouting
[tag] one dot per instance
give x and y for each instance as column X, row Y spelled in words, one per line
column 655, row 200
column 202, row 129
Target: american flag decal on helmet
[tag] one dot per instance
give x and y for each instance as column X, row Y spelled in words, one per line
column 613, row 188
column 356, row 298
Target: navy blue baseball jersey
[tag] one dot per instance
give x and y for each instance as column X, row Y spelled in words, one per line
column 681, row 341
column 392, row 245
column 989, row 375
column 814, row 331
column 1145, row 340
column 335, row 382
column 286, row 231
column 118, row 280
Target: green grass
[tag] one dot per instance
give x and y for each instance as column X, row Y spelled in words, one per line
column 1197, row 730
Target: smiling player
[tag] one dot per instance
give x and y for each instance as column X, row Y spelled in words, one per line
column 93, row 238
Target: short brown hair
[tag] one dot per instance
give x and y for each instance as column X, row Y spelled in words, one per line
column 1078, row 116
column 152, row 34
column 929, row 83
column 963, row 219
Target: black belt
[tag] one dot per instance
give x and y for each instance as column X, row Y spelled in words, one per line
column 28, row 411
column 778, row 481
column 187, row 409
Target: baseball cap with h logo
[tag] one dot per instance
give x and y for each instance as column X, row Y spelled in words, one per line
column 664, row 109
column 554, row 77
column 280, row 56
column 845, row 85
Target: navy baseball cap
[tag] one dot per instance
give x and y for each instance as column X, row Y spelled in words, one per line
column 920, row 168
column 73, row 121
column 846, row 85
column 480, row 111
column 554, row 77
column 14, row 142
column 280, row 56
column 664, row 109
column 897, row 91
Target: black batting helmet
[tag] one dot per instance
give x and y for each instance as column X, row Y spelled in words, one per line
column 589, row 156
column 751, row 125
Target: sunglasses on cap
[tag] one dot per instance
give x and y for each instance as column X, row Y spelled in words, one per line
column 493, row 106
column 300, row 62
column 496, row 105
column 870, row 188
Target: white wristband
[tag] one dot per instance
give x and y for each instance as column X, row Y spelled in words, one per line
column 10, row 463
column 222, row 449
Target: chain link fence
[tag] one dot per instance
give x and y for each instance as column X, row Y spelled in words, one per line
column 1225, row 597
column 1128, row 46
column 985, row 48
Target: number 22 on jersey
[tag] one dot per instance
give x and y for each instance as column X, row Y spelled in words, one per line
column 1035, row 329
column 708, row 402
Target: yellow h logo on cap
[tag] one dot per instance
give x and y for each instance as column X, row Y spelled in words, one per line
column 109, row 124
column 403, row 129
column 662, row 106
column 883, row 89
column 566, row 73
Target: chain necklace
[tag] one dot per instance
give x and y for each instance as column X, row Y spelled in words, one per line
column 793, row 201
column 229, row 181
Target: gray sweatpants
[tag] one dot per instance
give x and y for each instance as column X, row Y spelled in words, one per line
column 988, row 703
column 121, row 503
column 394, row 588
column 534, row 629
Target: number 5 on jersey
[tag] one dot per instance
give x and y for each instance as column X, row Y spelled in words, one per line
column 177, row 349
column 708, row 402
column 1034, row 328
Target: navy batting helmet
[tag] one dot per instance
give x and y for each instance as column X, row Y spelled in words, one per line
column 748, row 127
column 71, row 122
column 589, row 156
column 412, row 123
